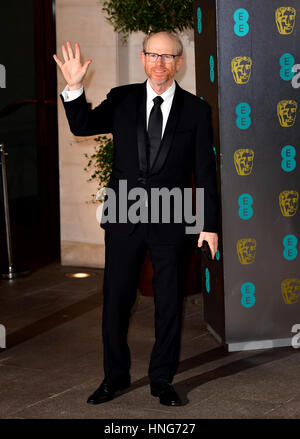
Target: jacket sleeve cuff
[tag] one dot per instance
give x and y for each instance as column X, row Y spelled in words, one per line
column 71, row 95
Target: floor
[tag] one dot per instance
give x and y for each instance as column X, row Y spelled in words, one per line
column 53, row 359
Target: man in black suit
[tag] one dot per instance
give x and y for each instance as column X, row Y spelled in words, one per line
column 161, row 133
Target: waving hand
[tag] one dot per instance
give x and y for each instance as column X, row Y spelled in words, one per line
column 72, row 69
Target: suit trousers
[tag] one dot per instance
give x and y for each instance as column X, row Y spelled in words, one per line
column 124, row 257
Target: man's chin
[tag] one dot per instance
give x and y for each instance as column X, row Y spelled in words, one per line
column 159, row 81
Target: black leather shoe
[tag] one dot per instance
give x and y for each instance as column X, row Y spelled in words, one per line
column 166, row 393
column 106, row 391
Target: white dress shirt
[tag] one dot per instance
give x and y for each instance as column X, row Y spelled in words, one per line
column 168, row 95
column 70, row 95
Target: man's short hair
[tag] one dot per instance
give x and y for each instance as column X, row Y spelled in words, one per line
column 172, row 35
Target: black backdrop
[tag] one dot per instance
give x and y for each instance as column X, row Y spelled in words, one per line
column 29, row 131
column 244, row 52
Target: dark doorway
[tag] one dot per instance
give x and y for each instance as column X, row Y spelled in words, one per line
column 28, row 128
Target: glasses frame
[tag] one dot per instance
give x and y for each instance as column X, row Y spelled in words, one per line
column 161, row 55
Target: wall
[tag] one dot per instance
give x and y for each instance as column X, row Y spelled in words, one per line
column 113, row 63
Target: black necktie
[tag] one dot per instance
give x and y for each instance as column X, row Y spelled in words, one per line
column 154, row 129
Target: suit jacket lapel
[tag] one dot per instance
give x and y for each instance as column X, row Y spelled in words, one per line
column 141, row 131
column 169, row 132
column 142, row 137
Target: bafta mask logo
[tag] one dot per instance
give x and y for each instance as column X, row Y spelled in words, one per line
column 241, row 69
column 290, row 289
column 246, row 249
column 243, row 160
column 285, row 20
column 288, row 202
column 286, row 112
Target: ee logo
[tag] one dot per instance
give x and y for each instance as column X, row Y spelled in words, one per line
column 215, row 153
column 241, row 27
column 290, row 251
column 199, row 20
column 287, row 62
column 245, row 202
column 243, row 111
column 207, row 280
column 211, row 68
column 248, row 297
column 288, row 154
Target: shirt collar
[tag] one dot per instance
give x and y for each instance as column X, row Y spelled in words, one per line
column 169, row 93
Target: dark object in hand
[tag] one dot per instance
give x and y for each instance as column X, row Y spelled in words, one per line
column 206, row 251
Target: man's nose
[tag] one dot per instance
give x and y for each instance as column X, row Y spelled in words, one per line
column 159, row 60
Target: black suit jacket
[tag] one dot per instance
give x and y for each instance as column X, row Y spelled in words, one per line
column 186, row 146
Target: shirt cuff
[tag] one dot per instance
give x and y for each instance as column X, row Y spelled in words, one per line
column 70, row 95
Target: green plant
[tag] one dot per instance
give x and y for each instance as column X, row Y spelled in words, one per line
column 100, row 163
column 149, row 15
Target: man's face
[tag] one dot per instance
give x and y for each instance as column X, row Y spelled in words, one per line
column 160, row 72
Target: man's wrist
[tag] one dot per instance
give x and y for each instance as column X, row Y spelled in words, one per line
column 71, row 95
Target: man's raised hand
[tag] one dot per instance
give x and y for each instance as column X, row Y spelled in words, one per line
column 72, row 69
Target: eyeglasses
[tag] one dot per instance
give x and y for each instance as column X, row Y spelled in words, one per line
column 165, row 57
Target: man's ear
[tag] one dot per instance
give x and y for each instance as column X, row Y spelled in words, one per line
column 179, row 63
column 143, row 58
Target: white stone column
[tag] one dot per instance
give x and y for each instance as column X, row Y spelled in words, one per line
column 82, row 239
